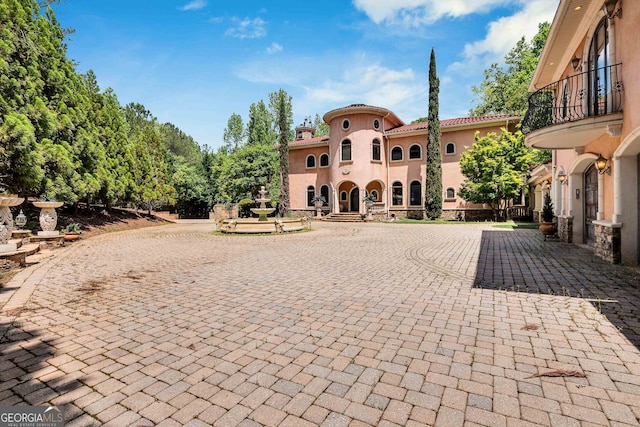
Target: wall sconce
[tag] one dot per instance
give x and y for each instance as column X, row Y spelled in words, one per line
column 601, row 165
column 562, row 178
column 610, row 7
column 576, row 63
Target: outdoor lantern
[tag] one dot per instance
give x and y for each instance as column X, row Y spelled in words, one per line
column 21, row 219
column 601, row 165
column 575, row 63
column 562, row 177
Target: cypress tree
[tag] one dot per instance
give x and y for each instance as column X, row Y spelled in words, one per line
column 433, row 187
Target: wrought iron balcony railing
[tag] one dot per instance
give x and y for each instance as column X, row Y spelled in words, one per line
column 593, row 93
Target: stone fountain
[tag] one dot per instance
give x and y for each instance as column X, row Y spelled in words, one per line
column 263, row 210
column 263, row 224
column 6, row 222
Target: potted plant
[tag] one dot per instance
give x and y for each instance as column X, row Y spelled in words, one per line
column 369, row 199
column 318, row 201
column 547, row 226
column 72, row 232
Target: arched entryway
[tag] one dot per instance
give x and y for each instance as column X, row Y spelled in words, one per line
column 590, row 204
column 348, row 197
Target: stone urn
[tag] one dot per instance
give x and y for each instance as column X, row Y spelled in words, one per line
column 368, row 206
column 6, row 221
column 48, row 217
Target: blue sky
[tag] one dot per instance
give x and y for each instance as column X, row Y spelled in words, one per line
column 195, row 62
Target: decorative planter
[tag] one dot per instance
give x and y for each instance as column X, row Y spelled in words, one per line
column 318, row 206
column 48, row 218
column 548, row 229
column 368, row 204
column 6, row 221
column 70, row 237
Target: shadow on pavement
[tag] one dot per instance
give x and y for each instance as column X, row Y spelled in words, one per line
column 26, row 377
column 521, row 261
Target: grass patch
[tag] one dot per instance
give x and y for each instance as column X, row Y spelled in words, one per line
column 511, row 225
column 436, row 221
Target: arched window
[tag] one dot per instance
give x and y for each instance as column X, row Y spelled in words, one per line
column 375, row 150
column 451, row 193
column 396, row 194
column 324, row 160
column 311, row 193
column 311, row 161
column 450, row 148
column 396, row 153
column 415, row 193
column 415, row 152
column 324, row 192
column 343, row 196
column 374, row 194
column 345, row 151
column 346, row 124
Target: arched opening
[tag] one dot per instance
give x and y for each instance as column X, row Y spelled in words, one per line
column 311, row 161
column 415, row 152
column 415, row 193
column 590, row 204
column 345, row 151
column 354, row 200
column 396, row 153
column 324, row 160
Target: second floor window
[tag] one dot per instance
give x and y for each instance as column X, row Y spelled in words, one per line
column 345, row 151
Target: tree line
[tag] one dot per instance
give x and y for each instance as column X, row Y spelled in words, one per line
column 63, row 138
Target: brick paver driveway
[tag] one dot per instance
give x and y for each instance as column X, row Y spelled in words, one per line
column 346, row 325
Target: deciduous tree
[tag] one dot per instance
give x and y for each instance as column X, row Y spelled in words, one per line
column 495, row 168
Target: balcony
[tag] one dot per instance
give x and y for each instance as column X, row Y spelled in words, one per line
column 573, row 111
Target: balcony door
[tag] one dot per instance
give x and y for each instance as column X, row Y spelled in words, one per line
column 599, row 74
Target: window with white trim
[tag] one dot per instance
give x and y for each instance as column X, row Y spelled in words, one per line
column 324, row 160
column 415, row 193
column 396, row 153
column 311, row 161
column 396, row 194
column 375, row 150
column 450, row 148
column 345, row 150
column 415, row 152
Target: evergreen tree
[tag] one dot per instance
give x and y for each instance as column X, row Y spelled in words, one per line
column 433, row 187
column 280, row 103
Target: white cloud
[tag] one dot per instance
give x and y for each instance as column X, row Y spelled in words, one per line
column 194, row 5
column 504, row 33
column 417, row 12
column 274, row 48
column 354, row 78
column 248, row 28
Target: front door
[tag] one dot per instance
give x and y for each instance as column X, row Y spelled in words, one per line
column 354, row 200
column 590, row 204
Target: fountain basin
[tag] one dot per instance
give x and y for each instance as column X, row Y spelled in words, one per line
column 262, row 212
column 257, row 226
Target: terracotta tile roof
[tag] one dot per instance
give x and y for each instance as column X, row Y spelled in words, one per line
column 310, row 141
column 455, row 122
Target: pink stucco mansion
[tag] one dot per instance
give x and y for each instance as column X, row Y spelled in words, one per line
column 371, row 151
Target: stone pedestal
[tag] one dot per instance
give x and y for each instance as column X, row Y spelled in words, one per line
column 608, row 241
column 565, row 228
column 48, row 218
